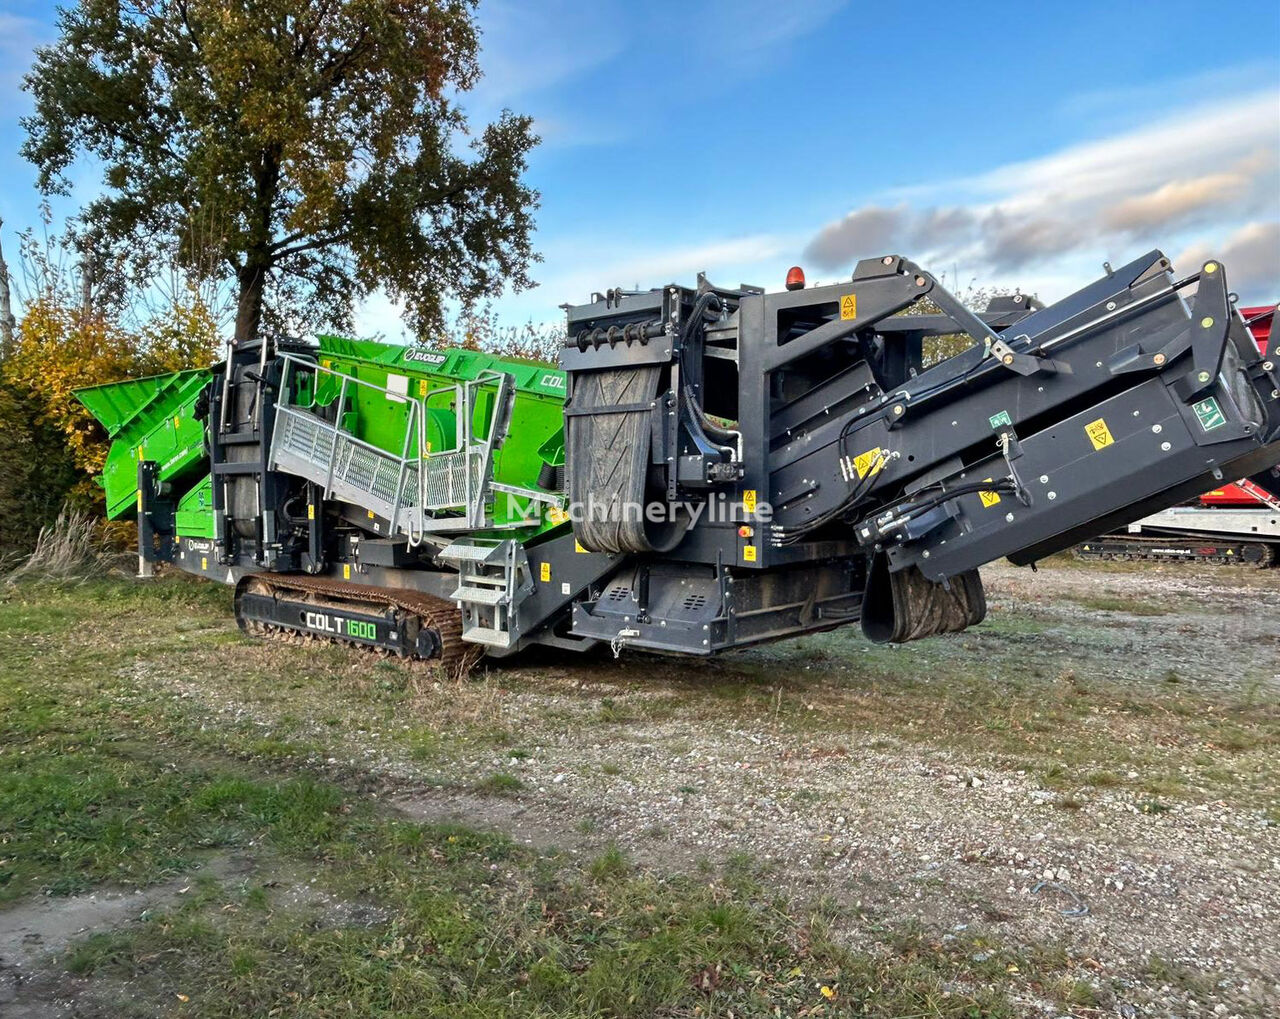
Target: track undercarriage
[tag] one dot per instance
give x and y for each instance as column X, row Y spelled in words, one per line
column 1137, row 548
column 383, row 621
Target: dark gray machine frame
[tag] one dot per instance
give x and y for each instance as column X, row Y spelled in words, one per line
column 888, row 479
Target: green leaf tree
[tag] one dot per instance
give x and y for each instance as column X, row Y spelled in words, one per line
column 310, row 151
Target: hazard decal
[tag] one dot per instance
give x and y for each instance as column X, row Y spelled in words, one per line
column 871, row 461
column 849, row 306
column 1099, row 434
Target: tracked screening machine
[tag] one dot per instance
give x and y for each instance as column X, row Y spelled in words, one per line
column 707, row 468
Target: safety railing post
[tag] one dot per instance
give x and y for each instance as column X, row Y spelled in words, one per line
column 467, row 440
column 333, row 454
column 404, row 460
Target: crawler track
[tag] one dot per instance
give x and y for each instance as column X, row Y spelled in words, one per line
column 456, row 657
column 1256, row 554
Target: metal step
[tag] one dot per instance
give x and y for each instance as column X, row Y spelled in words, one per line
column 488, row 636
column 469, row 550
column 480, row 595
column 493, row 579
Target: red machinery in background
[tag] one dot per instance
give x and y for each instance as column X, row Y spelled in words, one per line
column 1237, row 523
column 1259, row 321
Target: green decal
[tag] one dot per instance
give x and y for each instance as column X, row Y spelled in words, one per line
column 1000, row 419
column 1209, row 413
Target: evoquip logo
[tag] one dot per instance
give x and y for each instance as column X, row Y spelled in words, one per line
column 425, row 356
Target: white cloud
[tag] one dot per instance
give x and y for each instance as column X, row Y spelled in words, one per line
column 1204, row 179
column 1114, row 108
column 763, row 28
column 527, row 51
column 1174, row 201
column 534, row 54
column 527, row 48
column 1125, row 193
column 1180, row 145
column 721, row 259
column 1251, row 257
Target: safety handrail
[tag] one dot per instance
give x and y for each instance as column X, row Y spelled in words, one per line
column 415, row 426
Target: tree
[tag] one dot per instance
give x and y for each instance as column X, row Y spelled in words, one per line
column 72, row 333
column 7, row 322
column 478, row 328
column 312, row 150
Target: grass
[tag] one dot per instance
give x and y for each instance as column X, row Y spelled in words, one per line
column 77, row 545
column 611, row 865
column 1132, row 606
column 109, row 775
column 423, row 745
column 500, row 783
column 999, row 697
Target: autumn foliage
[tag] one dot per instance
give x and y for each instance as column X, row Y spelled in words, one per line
column 51, row 446
column 60, row 350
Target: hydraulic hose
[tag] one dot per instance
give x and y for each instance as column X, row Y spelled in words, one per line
column 703, row 427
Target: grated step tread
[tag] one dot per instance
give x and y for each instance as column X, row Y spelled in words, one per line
column 480, row 595
column 465, row 551
column 487, row 635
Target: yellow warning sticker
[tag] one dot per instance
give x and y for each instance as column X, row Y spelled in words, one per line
column 204, row 562
column 1099, row 434
column 748, row 553
column 311, row 512
column 849, row 306
column 556, row 515
column 346, row 571
column 139, row 501
column 871, row 461
column 544, row 572
column 749, row 500
column 422, row 387
column 989, row 498
column 577, row 546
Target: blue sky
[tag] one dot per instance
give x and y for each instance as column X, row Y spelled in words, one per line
column 1011, row 144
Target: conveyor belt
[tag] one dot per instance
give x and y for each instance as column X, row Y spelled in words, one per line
column 608, row 438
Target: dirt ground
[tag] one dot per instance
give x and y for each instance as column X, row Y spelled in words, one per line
column 944, row 833
column 1093, row 769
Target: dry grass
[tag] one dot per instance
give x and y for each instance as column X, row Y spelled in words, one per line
column 340, row 906
column 76, row 546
